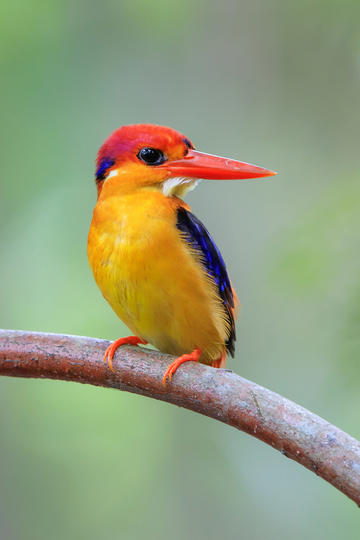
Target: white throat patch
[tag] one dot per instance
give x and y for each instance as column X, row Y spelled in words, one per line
column 112, row 173
column 179, row 186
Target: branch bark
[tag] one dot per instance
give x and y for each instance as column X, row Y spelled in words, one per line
column 220, row 394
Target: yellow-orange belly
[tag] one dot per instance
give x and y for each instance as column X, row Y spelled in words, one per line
column 151, row 278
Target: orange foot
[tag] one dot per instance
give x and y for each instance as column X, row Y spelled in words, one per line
column 110, row 351
column 191, row 357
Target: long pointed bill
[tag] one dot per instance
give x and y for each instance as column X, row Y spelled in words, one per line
column 198, row 165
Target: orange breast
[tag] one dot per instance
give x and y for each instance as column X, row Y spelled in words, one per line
column 151, row 278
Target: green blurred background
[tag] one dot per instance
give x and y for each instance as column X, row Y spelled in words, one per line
column 274, row 83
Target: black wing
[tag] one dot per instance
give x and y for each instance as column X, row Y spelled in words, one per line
column 199, row 239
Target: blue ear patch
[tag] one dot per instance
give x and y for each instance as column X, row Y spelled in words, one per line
column 105, row 164
column 197, row 236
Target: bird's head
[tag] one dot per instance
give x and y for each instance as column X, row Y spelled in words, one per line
column 158, row 157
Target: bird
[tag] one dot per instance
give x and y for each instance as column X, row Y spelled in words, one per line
column 154, row 261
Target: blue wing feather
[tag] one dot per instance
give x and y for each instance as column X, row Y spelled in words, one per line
column 199, row 239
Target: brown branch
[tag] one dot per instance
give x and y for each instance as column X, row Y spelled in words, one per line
column 218, row 393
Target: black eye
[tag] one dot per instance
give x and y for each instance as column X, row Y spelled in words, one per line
column 151, row 156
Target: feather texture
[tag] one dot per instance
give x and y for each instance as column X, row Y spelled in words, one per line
column 196, row 234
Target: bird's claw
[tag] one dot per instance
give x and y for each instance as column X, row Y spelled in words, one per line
column 110, row 351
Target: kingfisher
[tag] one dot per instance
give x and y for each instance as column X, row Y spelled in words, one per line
column 152, row 258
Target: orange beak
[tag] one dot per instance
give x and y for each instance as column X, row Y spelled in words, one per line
column 199, row 165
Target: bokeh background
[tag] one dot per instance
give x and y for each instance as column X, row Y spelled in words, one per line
column 274, row 83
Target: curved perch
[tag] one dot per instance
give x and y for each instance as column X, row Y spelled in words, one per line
column 294, row 431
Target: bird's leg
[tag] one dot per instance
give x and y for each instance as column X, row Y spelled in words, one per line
column 191, row 357
column 130, row 340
